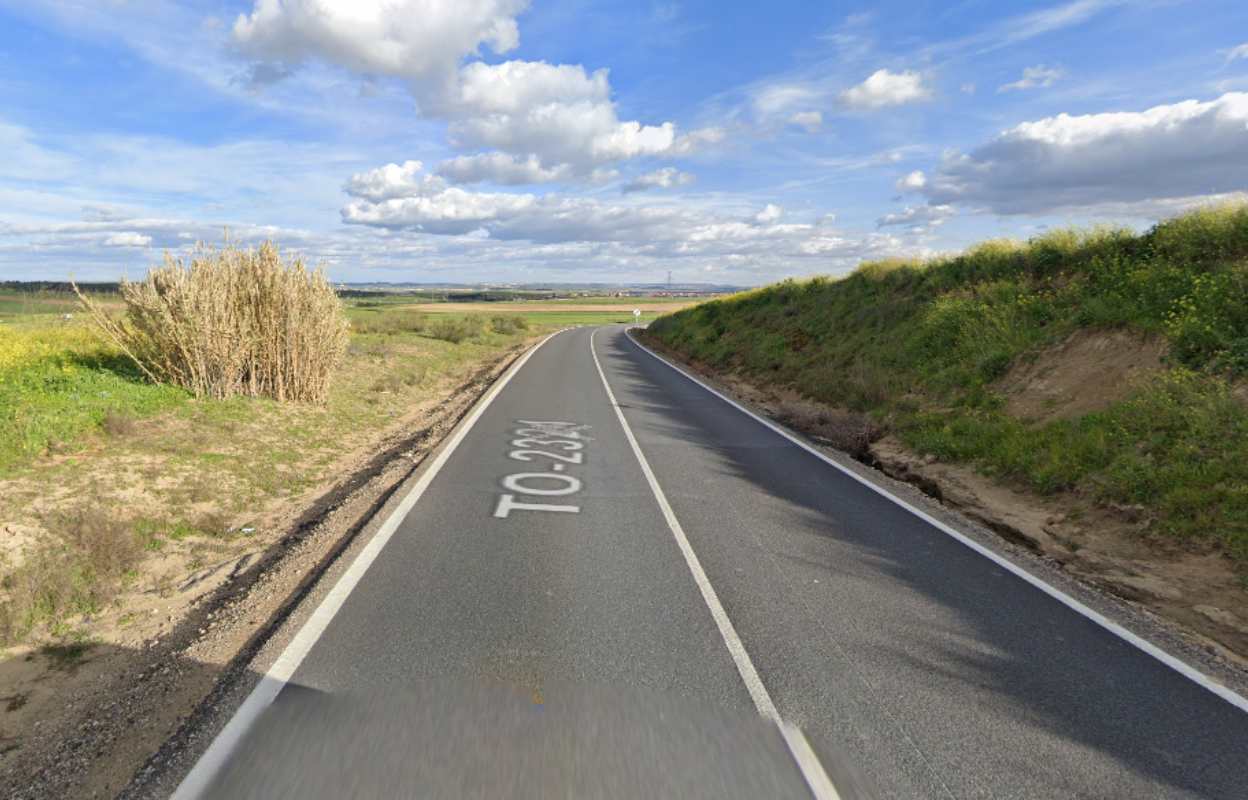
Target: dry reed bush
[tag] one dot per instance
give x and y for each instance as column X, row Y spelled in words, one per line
column 232, row 322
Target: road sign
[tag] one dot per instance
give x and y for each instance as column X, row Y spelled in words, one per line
column 637, row 314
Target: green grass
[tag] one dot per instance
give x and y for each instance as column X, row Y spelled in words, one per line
column 920, row 347
column 58, row 382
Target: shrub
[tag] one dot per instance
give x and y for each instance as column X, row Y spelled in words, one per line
column 232, row 322
column 508, row 325
column 389, row 322
column 455, row 329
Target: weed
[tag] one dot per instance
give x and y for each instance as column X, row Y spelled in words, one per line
column 118, row 425
column 77, row 571
column 68, row 656
column 15, row 701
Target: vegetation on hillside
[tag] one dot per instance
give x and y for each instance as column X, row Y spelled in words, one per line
column 921, row 347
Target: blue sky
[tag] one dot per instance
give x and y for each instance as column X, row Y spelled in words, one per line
column 568, row 140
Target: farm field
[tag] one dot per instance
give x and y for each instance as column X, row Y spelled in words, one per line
column 557, row 313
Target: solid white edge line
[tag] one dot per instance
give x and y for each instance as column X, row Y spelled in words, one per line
column 812, row 771
column 280, row 672
column 1176, row 664
column 808, row 763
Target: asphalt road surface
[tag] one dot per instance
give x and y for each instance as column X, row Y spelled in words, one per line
column 614, row 583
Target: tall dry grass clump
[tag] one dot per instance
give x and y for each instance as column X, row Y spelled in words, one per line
column 232, row 322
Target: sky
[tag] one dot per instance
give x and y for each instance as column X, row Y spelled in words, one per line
column 514, row 141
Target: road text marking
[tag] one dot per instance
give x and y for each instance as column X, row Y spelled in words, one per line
column 561, row 442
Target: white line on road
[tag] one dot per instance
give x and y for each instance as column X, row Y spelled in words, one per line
column 1179, row 666
column 262, row 696
column 816, row 778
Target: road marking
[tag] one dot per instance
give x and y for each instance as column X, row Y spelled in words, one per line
column 507, row 503
column 807, row 762
column 197, row 780
column 515, row 483
column 565, row 438
column 1179, row 666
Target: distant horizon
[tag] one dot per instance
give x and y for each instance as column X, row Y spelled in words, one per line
column 530, row 141
column 478, row 285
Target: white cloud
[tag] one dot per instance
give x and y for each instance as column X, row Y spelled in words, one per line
column 1014, row 30
column 128, row 239
column 664, row 178
column 514, row 87
column 770, row 213
column 416, row 40
column 917, row 217
column 404, row 192
column 560, row 115
column 659, row 230
column 812, row 121
column 1051, row 19
column 967, row 88
column 777, row 98
column 501, row 168
column 26, row 159
column 884, row 88
column 696, row 140
column 1185, row 150
column 139, row 232
column 912, row 182
column 1038, row 76
column 395, row 180
column 1236, row 53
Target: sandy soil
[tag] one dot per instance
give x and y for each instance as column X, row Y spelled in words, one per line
column 1090, row 371
column 81, row 723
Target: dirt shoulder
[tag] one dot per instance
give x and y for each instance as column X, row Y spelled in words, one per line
column 79, row 719
column 1195, row 593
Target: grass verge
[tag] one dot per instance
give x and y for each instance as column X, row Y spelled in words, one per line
column 922, row 348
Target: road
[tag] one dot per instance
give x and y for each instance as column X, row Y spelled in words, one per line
column 610, row 579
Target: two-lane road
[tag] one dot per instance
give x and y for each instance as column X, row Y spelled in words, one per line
column 610, row 571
